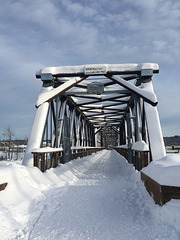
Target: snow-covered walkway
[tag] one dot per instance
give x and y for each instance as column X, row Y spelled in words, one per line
column 98, row 197
column 104, row 202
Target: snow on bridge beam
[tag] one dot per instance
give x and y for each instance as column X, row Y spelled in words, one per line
column 116, row 113
column 97, row 69
column 115, row 91
column 147, row 96
column 104, row 106
column 116, row 98
column 47, row 97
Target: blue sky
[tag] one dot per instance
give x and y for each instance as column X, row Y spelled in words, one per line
column 40, row 33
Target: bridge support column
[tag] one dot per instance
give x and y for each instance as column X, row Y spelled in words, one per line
column 154, row 128
column 35, row 138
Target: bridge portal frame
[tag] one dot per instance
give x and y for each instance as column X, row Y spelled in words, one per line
column 72, row 117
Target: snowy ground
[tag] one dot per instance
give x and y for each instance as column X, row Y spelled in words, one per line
column 97, row 197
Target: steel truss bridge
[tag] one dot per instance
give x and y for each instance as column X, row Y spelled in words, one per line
column 82, row 109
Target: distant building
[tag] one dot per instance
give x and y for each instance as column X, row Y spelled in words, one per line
column 172, row 141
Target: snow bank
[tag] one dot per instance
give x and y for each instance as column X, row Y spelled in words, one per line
column 140, row 146
column 98, row 197
column 27, row 183
column 165, row 171
column 24, row 183
column 170, row 214
column 123, row 146
column 21, row 201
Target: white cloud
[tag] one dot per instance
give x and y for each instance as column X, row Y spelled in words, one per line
column 159, row 44
column 78, row 9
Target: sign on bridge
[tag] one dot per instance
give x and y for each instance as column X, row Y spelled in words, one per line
column 95, row 70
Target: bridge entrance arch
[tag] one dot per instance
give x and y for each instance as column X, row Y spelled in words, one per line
column 83, row 108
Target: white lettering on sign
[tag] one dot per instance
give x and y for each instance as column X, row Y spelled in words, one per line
column 95, row 70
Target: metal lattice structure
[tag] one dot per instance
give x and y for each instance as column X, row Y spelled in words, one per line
column 88, row 106
column 109, row 136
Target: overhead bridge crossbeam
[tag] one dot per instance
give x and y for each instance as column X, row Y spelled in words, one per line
column 91, row 107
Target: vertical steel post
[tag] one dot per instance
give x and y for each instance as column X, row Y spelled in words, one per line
column 78, row 128
column 137, row 127
column 129, row 138
column 66, row 140
column 125, row 130
column 57, row 118
column 131, row 124
column 122, row 133
column 72, row 122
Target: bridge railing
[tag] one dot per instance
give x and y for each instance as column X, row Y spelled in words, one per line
column 83, row 151
column 45, row 158
column 138, row 158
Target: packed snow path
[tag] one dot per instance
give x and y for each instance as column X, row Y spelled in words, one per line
column 103, row 198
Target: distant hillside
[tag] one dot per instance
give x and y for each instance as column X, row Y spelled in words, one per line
column 172, row 141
